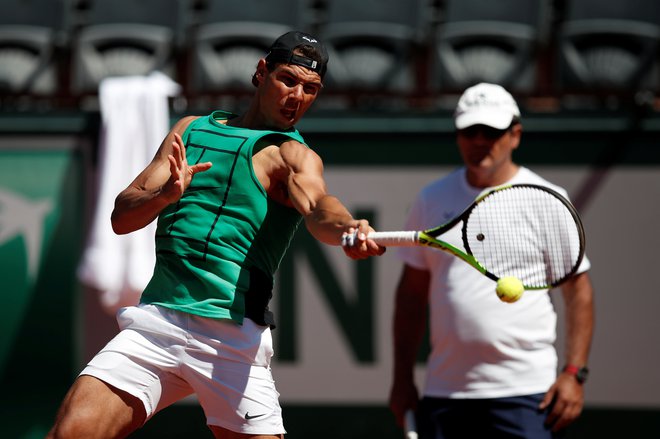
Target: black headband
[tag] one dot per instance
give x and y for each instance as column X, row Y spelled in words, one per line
column 288, row 57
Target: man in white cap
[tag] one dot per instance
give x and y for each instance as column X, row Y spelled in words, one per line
column 492, row 370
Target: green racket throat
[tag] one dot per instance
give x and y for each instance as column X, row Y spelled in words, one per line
column 430, row 241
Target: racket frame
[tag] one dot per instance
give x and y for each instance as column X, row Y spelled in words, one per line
column 429, row 236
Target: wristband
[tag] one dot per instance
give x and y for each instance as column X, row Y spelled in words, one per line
column 580, row 373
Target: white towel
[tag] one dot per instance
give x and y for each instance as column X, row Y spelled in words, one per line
column 135, row 119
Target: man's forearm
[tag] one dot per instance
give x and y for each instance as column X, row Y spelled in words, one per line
column 135, row 208
column 578, row 296
column 328, row 220
column 409, row 330
column 405, row 357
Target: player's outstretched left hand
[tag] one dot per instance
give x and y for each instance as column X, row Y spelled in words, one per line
column 181, row 173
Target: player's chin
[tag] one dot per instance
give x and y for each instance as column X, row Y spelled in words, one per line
column 281, row 125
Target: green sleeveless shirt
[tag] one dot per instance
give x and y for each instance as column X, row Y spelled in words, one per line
column 218, row 247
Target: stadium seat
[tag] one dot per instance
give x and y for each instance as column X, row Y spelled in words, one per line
column 126, row 37
column 374, row 44
column 496, row 41
column 233, row 35
column 609, row 46
column 30, row 33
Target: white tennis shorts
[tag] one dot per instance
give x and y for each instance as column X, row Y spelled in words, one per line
column 161, row 356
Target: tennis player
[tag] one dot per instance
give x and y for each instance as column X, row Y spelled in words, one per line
column 229, row 192
column 492, row 370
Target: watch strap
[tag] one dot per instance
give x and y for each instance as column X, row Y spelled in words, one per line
column 580, row 373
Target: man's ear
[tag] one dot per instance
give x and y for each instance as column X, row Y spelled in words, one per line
column 262, row 71
column 516, row 132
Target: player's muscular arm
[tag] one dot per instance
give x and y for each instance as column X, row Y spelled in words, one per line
column 292, row 174
column 325, row 216
column 162, row 182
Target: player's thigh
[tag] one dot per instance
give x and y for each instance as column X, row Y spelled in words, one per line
column 223, row 433
column 94, row 409
column 229, row 370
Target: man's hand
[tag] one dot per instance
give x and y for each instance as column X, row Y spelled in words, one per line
column 181, row 173
column 355, row 242
column 566, row 399
column 403, row 397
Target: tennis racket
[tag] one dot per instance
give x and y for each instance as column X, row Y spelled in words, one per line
column 409, row 425
column 522, row 230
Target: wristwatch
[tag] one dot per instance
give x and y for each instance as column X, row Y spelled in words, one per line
column 580, row 373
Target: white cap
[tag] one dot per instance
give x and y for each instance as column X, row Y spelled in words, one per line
column 485, row 104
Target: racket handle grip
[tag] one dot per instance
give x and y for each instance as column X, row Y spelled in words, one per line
column 410, row 425
column 397, row 239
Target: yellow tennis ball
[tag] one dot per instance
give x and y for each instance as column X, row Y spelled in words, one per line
column 509, row 289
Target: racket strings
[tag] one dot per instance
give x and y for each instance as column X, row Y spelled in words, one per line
column 524, row 232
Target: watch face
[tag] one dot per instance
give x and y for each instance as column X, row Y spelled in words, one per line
column 582, row 374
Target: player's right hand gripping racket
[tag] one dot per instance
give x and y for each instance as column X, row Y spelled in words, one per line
column 522, row 230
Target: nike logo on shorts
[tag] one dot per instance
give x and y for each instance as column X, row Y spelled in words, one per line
column 248, row 416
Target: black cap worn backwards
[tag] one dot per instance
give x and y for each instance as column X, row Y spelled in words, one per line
column 282, row 51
